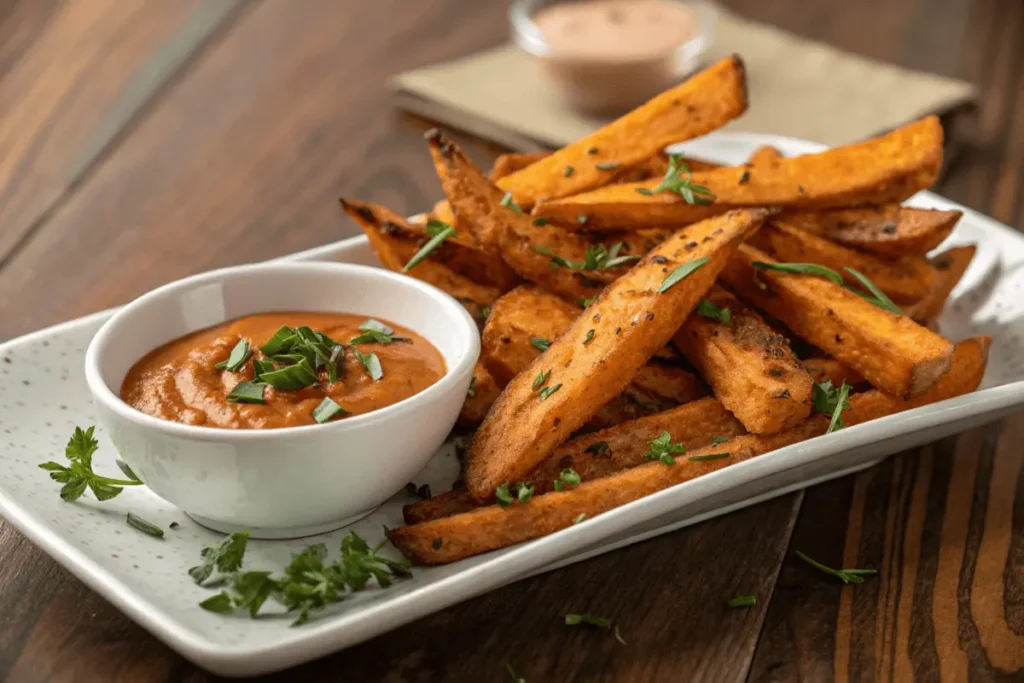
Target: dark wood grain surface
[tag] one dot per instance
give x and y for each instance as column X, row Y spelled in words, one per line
column 141, row 141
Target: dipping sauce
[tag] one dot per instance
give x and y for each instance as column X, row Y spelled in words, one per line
column 180, row 381
column 611, row 55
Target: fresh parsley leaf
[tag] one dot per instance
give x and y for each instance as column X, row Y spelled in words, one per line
column 136, row 522
column 371, row 363
column 327, row 411
column 78, row 475
column 831, row 401
column 427, row 249
column 509, row 202
column 846, row 575
column 714, row 312
column 225, row 557
column 588, row 619
column 547, row 391
column 743, row 601
column 540, row 343
column 679, row 180
column 237, row 358
column 681, row 272
column 503, row 496
column 541, row 379
column 662, row 449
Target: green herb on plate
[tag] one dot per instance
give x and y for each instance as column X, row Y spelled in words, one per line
column 78, row 475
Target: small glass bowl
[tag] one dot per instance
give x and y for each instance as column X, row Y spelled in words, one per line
column 610, row 86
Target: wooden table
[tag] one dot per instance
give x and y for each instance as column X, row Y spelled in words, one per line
column 145, row 140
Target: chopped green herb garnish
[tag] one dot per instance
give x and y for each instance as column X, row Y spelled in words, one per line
column 559, row 486
column 435, row 227
column 831, row 401
column 607, row 166
column 524, row 492
column 79, row 475
column 579, row 518
column 714, row 312
column 247, row 392
column 743, row 601
column 485, row 312
column 503, row 496
column 597, row 257
column 879, row 297
column 472, row 388
column 568, row 171
column 259, row 367
column 540, row 343
column 681, row 272
column 509, row 202
column 585, row 301
column 589, row 338
column 281, row 342
column 427, row 249
column 547, row 391
column 238, row 356
column 802, row 269
column 679, row 180
column 719, row 440
column 662, row 449
column 846, row 575
column 327, row 411
column 598, row 448
column 225, row 557
column 569, row 476
column 375, row 337
column 371, row 363
column 588, row 619
column 592, row 151
column 710, row 456
column 136, row 522
column 512, row 673
column 540, row 221
column 287, row 378
column 875, row 296
column 377, row 326
column 541, row 379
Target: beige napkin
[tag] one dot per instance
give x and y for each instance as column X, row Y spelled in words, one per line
column 798, row 88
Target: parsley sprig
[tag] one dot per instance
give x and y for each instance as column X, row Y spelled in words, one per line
column 79, row 475
column 679, row 180
column 663, row 449
column 598, row 257
column 845, row 575
column 310, row 582
column 831, row 401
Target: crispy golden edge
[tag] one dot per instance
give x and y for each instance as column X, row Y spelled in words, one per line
column 762, row 156
column 394, row 252
column 706, row 101
column 750, row 367
column 891, row 351
column 511, row 162
column 485, row 393
column 827, row 369
column 598, row 454
column 887, row 230
column 905, row 280
column 601, row 351
column 492, row 527
column 884, row 169
column 950, row 267
column 503, row 230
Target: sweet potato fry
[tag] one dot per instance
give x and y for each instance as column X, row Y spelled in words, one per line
column 599, row 454
column 827, row 369
column 906, row 279
column 949, row 267
column 405, row 238
column 485, row 393
column 891, row 351
column 509, row 163
column 750, row 367
column 668, row 381
column 884, row 169
column 887, row 230
column 601, row 351
column 533, row 250
column 762, row 156
column 492, row 527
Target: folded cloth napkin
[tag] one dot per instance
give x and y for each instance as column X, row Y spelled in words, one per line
column 798, row 87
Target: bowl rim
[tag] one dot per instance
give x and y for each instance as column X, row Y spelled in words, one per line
column 458, row 316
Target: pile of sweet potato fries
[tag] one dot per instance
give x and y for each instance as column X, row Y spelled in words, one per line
column 649, row 319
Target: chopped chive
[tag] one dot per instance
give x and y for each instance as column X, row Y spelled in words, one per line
column 880, row 300
column 579, row 518
column 710, row 456
column 743, row 601
column 327, row 410
column 246, row 392
column 568, row 171
column 589, row 338
column 802, row 269
column 712, row 311
column 846, row 575
column 592, row 151
column 136, row 522
column 524, row 492
column 540, row 221
column 745, row 177
column 541, row 379
column 584, row 301
column 377, row 326
column 588, row 619
column 569, row 476
column 509, row 202
column 547, row 391
column 428, row 248
column 681, row 272
column 371, row 363
column 502, row 495
column 540, row 343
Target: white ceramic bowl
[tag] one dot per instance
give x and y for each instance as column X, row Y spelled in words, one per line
column 295, row 481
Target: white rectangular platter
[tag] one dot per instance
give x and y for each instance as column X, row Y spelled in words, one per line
column 43, row 397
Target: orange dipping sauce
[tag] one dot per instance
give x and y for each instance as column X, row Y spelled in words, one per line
column 179, row 381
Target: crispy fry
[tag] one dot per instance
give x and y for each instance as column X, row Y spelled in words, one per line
column 492, row 527
column 825, row 368
column 905, row 280
column 887, row 230
column 884, row 169
column 599, row 454
column 396, row 241
column 949, row 266
column 891, row 351
column 669, row 381
column 601, row 351
column 509, row 163
column 504, row 230
column 750, row 367
column 485, row 393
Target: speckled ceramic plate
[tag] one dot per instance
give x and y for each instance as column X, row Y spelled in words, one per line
column 43, row 396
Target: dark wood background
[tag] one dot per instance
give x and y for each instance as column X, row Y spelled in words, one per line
column 145, row 140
